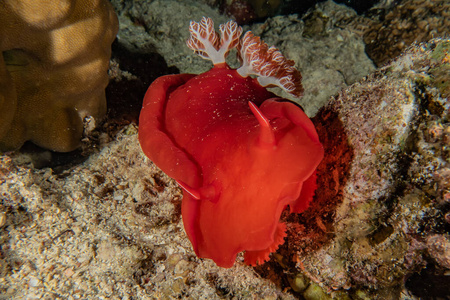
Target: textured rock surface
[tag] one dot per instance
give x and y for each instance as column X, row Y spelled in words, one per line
column 395, row 28
column 162, row 26
column 110, row 227
column 328, row 57
column 390, row 213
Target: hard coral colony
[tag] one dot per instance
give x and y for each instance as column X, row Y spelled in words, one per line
column 240, row 153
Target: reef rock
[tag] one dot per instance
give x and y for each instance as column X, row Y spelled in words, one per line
column 383, row 193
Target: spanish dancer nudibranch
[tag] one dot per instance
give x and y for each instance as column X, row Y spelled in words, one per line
column 240, row 153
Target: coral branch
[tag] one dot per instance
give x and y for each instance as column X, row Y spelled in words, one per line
column 205, row 41
column 269, row 64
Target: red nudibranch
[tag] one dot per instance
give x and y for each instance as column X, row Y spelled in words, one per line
column 240, row 153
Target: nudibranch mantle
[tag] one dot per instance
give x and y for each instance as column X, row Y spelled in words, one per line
column 240, row 153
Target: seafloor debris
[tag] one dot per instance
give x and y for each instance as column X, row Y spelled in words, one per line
column 110, row 228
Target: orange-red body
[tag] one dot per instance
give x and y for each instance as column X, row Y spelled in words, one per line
column 238, row 173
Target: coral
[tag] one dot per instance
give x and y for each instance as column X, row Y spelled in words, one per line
column 151, row 26
column 380, row 210
column 56, row 224
column 342, row 58
column 407, row 22
column 327, row 63
column 53, row 70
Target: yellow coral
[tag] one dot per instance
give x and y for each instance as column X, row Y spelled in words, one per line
column 53, row 69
